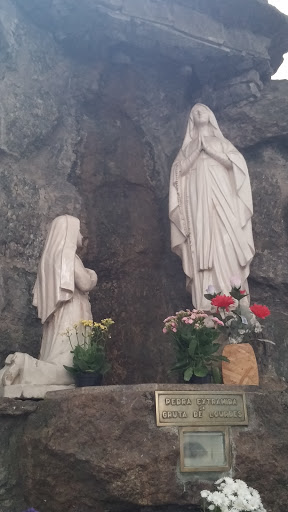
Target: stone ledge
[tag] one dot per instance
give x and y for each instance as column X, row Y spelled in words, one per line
column 10, row 407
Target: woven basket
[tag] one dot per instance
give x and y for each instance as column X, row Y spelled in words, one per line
column 242, row 369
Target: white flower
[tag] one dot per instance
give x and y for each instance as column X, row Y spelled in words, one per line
column 233, row 496
column 235, row 282
column 211, row 290
column 208, row 322
column 234, row 305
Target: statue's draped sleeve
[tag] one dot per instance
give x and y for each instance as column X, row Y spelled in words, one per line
column 244, row 194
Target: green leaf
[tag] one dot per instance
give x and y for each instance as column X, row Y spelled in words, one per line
column 209, row 296
column 179, row 366
column 220, row 358
column 201, row 371
column 70, row 369
column 217, row 376
column 192, row 347
column 188, row 374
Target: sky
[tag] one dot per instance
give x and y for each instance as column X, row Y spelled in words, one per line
column 282, row 72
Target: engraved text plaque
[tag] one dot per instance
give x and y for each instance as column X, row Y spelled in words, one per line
column 200, row 408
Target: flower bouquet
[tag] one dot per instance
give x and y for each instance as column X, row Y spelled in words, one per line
column 232, row 496
column 240, row 321
column 194, row 334
column 89, row 353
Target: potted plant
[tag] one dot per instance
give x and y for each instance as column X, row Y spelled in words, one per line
column 194, row 334
column 89, row 355
column 240, row 323
column 232, row 495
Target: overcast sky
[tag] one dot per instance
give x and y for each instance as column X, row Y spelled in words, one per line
column 282, row 72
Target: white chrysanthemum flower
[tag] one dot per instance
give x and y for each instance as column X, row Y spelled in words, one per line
column 233, row 496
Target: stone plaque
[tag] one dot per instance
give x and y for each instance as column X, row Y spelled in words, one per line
column 200, row 408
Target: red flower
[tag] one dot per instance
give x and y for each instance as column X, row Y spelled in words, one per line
column 222, row 301
column 242, row 292
column 260, row 311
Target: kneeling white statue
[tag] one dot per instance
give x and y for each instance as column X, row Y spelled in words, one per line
column 61, row 297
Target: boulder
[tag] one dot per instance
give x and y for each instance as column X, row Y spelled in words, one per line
column 99, row 449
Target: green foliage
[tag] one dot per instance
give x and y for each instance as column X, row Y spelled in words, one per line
column 195, row 351
column 89, row 354
column 89, row 357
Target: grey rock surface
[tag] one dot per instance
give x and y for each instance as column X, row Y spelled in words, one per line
column 100, row 449
column 94, row 105
column 13, row 415
column 95, row 97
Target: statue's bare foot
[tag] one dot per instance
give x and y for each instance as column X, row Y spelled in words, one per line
column 14, row 364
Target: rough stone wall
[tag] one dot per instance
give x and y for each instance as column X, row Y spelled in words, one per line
column 94, row 105
column 98, row 450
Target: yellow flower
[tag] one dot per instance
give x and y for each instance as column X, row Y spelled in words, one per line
column 107, row 321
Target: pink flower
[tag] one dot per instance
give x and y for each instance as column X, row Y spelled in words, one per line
column 173, row 324
column 185, row 319
column 164, row 330
column 217, row 321
column 190, row 321
column 174, row 330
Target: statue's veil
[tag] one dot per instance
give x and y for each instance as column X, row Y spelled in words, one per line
column 55, row 277
column 191, row 130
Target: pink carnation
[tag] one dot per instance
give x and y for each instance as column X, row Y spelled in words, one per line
column 174, row 329
column 164, row 330
column 169, row 318
column 217, row 321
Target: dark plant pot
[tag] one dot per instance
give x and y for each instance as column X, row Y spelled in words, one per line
column 88, row 379
column 201, row 380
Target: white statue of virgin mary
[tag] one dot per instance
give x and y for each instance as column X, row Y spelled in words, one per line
column 61, row 297
column 210, row 209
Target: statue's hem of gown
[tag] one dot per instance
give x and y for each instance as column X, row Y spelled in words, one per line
column 55, row 348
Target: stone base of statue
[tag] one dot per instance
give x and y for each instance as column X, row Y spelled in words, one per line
column 30, row 391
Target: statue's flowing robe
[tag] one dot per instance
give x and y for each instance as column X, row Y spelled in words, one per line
column 61, row 297
column 210, row 209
